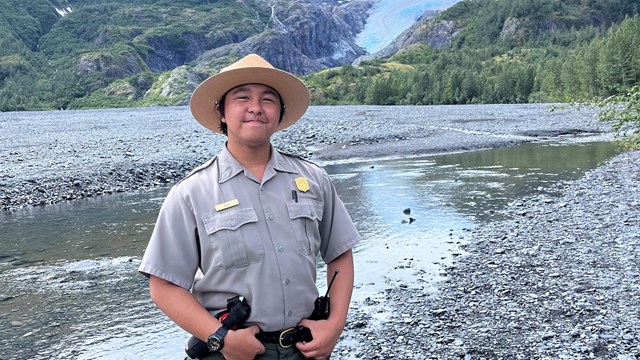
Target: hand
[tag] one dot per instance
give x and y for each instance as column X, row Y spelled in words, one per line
column 325, row 337
column 242, row 344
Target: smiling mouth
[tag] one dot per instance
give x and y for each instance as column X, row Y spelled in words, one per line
column 255, row 121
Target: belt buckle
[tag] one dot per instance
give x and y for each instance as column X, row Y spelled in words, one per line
column 282, row 336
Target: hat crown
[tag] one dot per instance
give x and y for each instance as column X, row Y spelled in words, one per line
column 249, row 61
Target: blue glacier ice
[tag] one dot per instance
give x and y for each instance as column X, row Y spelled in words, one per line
column 389, row 18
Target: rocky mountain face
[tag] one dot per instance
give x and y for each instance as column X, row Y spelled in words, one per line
column 303, row 36
column 184, row 45
column 298, row 36
column 517, row 29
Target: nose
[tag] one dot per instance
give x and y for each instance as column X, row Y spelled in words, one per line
column 255, row 106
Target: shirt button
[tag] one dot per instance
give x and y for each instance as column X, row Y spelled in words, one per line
column 271, row 217
column 287, row 282
column 262, row 188
column 232, row 223
column 289, row 313
column 281, row 248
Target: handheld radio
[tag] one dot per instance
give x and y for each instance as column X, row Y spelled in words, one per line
column 322, row 305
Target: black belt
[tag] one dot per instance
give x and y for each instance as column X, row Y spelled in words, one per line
column 287, row 337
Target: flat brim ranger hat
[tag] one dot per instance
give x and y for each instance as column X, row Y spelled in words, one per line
column 252, row 69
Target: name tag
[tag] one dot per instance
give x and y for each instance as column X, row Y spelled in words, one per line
column 228, row 204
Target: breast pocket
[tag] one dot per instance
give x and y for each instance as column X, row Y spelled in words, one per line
column 233, row 238
column 305, row 218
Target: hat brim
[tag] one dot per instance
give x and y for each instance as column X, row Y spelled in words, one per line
column 293, row 92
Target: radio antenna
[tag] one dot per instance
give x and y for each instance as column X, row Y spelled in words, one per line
column 331, row 283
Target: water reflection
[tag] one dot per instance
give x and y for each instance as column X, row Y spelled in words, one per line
column 69, row 286
column 107, row 226
column 487, row 180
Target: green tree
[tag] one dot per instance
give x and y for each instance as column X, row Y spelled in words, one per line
column 379, row 92
column 622, row 111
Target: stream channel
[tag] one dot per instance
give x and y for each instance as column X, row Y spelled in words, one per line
column 69, row 286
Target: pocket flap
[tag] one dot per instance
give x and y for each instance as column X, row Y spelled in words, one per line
column 304, row 209
column 229, row 219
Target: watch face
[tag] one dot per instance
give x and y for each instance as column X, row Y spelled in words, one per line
column 214, row 344
column 215, row 341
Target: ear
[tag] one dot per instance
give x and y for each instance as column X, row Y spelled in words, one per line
column 217, row 109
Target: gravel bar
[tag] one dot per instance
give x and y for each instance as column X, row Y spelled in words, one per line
column 558, row 279
column 51, row 157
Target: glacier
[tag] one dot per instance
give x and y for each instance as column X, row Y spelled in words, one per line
column 389, row 18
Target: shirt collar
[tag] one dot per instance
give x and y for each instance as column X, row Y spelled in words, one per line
column 230, row 167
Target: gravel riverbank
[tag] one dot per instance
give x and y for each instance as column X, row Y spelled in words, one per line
column 50, row 157
column 559, row 279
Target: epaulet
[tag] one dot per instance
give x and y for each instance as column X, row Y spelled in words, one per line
column 201, row 167
column 299, row 157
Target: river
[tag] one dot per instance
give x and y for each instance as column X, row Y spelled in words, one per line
column 69, row 286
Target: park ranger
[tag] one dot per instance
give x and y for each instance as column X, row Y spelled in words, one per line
column 251, row 222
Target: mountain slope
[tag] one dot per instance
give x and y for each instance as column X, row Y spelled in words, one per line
column 498, row 51
column 69, row 54
column 101, row 53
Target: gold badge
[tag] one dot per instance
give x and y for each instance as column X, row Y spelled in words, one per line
column 227, row 204
column 302, row 184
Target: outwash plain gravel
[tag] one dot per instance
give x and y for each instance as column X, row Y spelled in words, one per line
column 50, row 157
column 558, row 279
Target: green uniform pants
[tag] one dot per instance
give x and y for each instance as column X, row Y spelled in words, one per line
column 272, row 352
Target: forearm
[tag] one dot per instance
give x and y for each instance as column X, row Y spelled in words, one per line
column 342, row 288
column 182, row 308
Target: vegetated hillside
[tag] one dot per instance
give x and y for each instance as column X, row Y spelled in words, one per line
column 108, row 53
column 70, row 54
column 53, row 60
column 498, row 51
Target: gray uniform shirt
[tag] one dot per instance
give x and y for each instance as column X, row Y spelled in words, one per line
column 221, row 233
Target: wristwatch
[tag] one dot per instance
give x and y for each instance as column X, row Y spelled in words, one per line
column 215, row 342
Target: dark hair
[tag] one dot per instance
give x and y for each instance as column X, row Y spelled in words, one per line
column 223, row 125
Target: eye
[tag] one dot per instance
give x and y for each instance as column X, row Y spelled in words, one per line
column 270, row 98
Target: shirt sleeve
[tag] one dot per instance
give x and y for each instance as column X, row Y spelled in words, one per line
column 337, row 230
column 173, row 252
